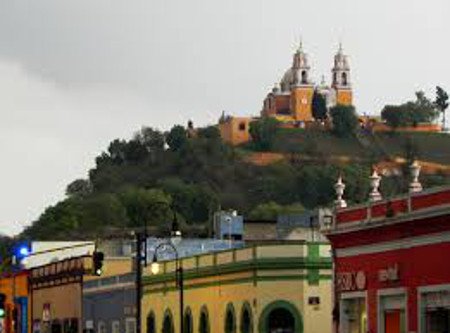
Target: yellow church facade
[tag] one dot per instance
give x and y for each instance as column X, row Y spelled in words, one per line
column 291, row 100
column 284, row 287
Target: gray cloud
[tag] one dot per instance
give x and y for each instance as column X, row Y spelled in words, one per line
column 76, row 74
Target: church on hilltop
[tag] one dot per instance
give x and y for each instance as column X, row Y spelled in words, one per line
column 290, row 101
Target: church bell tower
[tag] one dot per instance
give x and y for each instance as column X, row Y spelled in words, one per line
column 302, row 88
column 341, row 78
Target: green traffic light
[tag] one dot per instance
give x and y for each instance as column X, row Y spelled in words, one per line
column 2, row 313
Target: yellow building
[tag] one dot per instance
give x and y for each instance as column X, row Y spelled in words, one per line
column 283, row 287
column 235, row 130
column 291, row 100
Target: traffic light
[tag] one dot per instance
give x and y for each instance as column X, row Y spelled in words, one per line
column 97, row 260
column 21, row 251
column 2, row 305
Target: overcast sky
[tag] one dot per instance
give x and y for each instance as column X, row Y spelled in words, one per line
column 75, row 74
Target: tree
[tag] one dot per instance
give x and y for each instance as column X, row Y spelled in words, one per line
column 345, row 120
column 319, row 106
column 146, row 206
column 153, row 140
column 271, row 210
column 79, row 187
column 177, row 138
column 441, row 103
column 411, row 113
column 263, row 132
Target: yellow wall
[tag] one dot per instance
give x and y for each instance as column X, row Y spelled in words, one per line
column 301, row 103
column 258, row 288
column 231, row 132
column 344, row 97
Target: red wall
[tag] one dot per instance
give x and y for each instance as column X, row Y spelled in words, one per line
column 418, row 266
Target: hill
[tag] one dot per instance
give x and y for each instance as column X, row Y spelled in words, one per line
column 141, row 182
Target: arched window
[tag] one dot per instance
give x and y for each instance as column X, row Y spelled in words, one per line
column 304, row 77
column 203, row 324
column 230, row 319
column 246, row 319
column 151, row 325
column 280, row 316
column 344, row 79
column 334, row 78
column 168, row 323
column 188, row 324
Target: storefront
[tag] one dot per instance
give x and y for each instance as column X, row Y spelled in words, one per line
column 391, row 265
column 56, row 294
column 15, row 288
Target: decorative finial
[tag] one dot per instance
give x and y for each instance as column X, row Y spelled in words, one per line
column 340, row 50
column 415, row 186
column 339, row 188
column 375, row 179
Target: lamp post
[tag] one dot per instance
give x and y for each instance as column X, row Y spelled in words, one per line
column 178, row 276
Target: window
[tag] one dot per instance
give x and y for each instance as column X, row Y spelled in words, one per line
column 115, row 326
column 344, row 79
column 304, row 77
column 230, row 320
column 188, row 325
column 130, row 325
column 203, row 326
column 242, row 126
column 151, row 325
column 435, row 304
column 101, row 327
column 354, row 315
column 246, row 319
column 168, row 323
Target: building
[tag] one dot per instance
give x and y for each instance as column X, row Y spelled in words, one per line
column 391, row 262
column 109, row 300
column 291, row 100
column 281, row 287
column 14, row 286
column 56, row 295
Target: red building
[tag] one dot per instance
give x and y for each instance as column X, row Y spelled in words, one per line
column 392, row 264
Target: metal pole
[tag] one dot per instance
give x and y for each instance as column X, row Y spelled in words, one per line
column 138, row 281
column 180, row 285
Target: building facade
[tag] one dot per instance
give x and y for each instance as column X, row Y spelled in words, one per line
column 15, row 287
column 284, row 287
column 56, row 295
column 391, row 264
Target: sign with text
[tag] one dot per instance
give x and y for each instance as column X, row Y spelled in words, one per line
column 351, row 281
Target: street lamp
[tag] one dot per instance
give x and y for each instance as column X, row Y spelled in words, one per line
column 178, row 276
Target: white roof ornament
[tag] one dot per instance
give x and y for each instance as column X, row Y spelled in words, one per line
column 415, row 186
column 339, row 188
column 375, row 194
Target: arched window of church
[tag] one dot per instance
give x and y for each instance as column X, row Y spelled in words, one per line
column 304, row 77
column 344, row 79
column 334, row 78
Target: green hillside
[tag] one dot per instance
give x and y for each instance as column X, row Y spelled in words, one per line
column 140, row 182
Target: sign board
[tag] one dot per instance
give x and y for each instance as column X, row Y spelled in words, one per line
column 351, row 281
column 389, row 274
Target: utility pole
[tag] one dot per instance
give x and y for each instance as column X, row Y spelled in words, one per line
column 140, row 237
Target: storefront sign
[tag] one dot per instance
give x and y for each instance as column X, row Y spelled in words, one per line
column 437, row 299
column 389, row 274
column 351, row 281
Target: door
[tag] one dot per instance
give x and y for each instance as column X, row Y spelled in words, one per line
column 392, row 321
